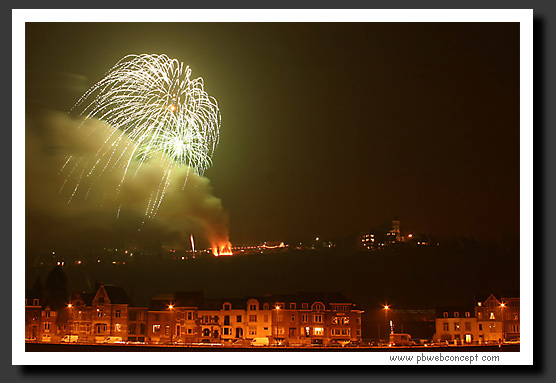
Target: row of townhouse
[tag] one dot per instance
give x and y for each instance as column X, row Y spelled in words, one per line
column 490, row 319
column 322, row 318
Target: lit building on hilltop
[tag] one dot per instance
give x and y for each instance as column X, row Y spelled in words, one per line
column 365, row 241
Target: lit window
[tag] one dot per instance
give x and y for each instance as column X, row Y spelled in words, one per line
column 479, row 304
column 318, row 331
column 156, row 329
column 118, row 327
column 492, row 315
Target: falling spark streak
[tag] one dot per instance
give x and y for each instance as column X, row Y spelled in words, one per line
column 153, row 109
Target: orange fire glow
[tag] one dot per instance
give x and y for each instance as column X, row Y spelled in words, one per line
column 222, row 250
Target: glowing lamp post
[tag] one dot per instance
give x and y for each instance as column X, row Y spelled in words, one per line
column 502, row 306
column 171, row 308
column 70, row 306
column 386, row 308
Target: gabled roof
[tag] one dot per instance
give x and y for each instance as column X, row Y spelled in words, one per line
column 115, row 294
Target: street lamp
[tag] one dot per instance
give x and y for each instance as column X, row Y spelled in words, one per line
column 502, row 306
column 171, row 308
column 386, row 308
column 70, row 319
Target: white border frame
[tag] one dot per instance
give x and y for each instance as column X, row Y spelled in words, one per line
column 19, row 17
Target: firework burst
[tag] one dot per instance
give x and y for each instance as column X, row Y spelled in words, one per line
column 153, row 109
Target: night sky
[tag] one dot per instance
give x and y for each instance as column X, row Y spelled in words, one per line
column 327, row 128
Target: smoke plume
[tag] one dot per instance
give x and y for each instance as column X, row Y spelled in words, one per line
column 97, row 215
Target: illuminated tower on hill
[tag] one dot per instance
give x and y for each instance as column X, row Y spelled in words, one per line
column 396, row 229
column 393, row 235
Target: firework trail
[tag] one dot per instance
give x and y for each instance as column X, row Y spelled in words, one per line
column 154, row 109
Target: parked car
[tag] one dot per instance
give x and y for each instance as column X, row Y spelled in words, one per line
column 260, row 342
column 69, row 339
column 113, row 339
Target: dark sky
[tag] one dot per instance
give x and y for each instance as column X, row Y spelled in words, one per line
column 331, row 128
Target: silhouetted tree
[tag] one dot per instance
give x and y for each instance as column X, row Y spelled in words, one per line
column 37, row 289
column 56, row 293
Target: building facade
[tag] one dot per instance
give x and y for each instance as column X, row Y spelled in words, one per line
column 301, row 319
column 490, row 320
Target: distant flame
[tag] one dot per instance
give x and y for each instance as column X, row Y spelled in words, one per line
column 222, row 250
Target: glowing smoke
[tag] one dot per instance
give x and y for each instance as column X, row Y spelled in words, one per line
column 101, row 215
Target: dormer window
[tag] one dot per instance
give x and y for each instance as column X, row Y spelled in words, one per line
column 456, row 314
column 318, row 307
column 35, row 302
column 266, row 306
column 292, row 306
column 467, row 314
column 305, row 306
column 479, row 304
column 445, row 314
column 227, row 306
